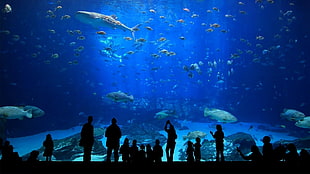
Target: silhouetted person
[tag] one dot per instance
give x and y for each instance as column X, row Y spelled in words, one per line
column 279, row 152
column 113, row 134
column 133, row 151
column 197, row 152
column 219, row 142
column 255, row 155
column 48, row 144
column 125, row 150
column 190, row 152
column 158, row 152
column 304, row 156
column 172, row 136
column 149, row 154
column 6, row 151
column 141, row 155
column 87, row 139
column 33, row 156
column 292, row 156
column 267, row 149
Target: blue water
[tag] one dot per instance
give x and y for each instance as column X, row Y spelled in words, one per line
column 255, row 79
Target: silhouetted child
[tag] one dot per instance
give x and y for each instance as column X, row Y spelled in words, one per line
column 197, row 152
column 190, row 152
column 292, row 156
column 158, row 152
column 33, row 156
column 255, row 155
column 48, row 144
column 304, row 156
column 124, row 150
column 279, row 153
column 267, row 149
column 141, row 155
column 149, row 154
column 219, row 142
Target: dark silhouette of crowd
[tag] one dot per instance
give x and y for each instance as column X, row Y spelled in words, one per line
column 134, row 153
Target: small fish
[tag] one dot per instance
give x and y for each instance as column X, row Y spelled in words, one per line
column 101, row 32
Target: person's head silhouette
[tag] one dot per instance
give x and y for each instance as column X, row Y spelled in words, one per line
column 90, row 119
column 114, row 121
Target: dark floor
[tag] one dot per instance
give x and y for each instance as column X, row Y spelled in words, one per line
column 175, row 167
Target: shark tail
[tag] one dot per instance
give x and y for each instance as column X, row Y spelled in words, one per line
column 133, row 29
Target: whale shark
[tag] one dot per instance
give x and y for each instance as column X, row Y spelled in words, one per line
column 98, row 20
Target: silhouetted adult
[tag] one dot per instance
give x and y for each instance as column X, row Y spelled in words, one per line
column 87, row 139
column 219, row 142
column 267, row 149
column 133, row 151
column 190, row 152
column 158, row 152
column 125, row 150
column 197, row 152
column 48, row 143
column 113, row 134
column 255, row 155
column 172, row 136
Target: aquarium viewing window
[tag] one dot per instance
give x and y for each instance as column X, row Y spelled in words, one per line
column 243, row 65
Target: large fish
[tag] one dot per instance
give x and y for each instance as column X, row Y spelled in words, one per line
column 120, row 97
column 220, row 115
column 292, row 115
column 164, row 114
column 304, row 123
column 98, row 20
column 20, row 112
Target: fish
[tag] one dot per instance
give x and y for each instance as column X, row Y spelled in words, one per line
column 292, row 114
column 35, row 111
column 164, row 114
column 220, row 115
column 99, row 20
column 304, row 123
column 20, row 112
column 120, row 97
column 194, row 134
